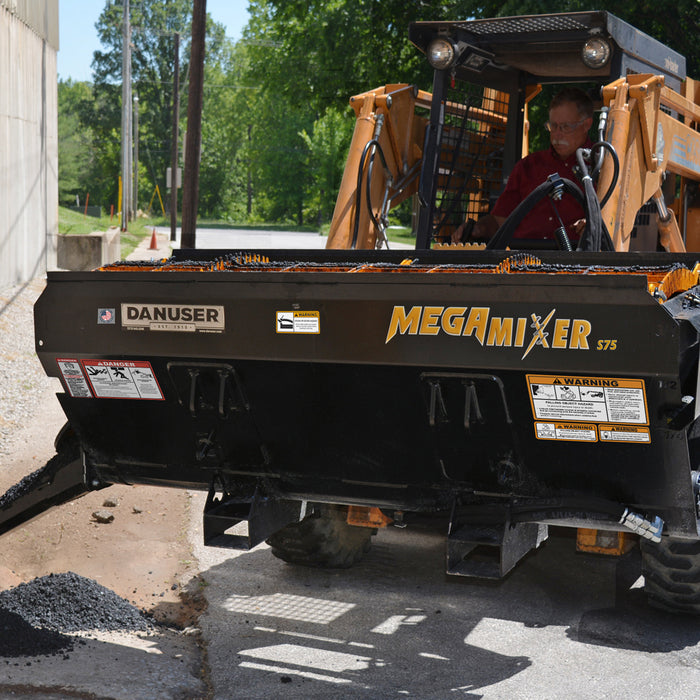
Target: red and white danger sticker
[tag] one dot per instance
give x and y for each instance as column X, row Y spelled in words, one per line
column 120, row 379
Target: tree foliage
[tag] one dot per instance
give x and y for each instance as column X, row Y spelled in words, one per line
column 75, row 152
column 276, row 122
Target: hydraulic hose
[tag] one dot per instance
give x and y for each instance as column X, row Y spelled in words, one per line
column 595, row 236
column 358, row 190
column 505, row 233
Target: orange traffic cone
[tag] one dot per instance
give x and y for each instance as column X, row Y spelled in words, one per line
column 154, row 241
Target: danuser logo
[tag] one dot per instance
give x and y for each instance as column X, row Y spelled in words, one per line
column 491, row 331
column 173, row 317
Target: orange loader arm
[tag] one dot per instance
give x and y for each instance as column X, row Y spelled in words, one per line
column 649, row 143
column 387, row 148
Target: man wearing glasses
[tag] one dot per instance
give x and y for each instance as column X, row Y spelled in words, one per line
column 570, row 118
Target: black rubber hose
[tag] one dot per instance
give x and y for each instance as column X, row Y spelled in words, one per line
column 358, row 188
column 505, row 233
column 595, row 236
column 616, row 172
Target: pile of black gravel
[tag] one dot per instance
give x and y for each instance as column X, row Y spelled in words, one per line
column 37, row 612
column 19, row 638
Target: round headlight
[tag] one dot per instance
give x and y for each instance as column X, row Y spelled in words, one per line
column 596, row 52
column 441, row 54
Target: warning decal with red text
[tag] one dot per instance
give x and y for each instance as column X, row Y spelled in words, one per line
column 122, row 379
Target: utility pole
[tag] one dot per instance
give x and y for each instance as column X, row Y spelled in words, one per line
column 126, row 118
column 175, row 139
column 190, row 191
column 136, row 155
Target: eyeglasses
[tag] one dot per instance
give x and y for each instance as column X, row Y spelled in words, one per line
column 564, row 127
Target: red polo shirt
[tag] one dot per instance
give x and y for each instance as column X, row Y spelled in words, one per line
column 526, row 175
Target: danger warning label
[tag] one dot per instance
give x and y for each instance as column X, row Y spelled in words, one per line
column 588, row 399
column 120, row 379
column 624, row 433
column 588, row 409
column 73, row 377
column 577, row 432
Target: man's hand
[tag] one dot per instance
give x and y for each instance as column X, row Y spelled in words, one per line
column 578, row 226
column 482, row 230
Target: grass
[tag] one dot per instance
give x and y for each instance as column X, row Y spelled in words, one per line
column 400, row 234
column 74, row 222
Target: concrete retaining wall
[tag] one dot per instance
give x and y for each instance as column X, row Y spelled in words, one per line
column 28, row 143
column 88, row 251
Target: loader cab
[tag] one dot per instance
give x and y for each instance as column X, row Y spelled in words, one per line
column 487, row 73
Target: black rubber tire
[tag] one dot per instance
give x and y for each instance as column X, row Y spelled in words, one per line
column 671, row 571
column 322, row 539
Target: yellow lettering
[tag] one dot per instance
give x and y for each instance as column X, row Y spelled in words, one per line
column 561, row 328
column 520, row 332
column 453, row 320
column 402, row 322
column 477, row 320
column 500, row 331
column 431, row 318
column 580, row 331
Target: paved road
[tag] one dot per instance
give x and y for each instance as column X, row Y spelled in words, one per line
column 240, row 239
column 563, row 625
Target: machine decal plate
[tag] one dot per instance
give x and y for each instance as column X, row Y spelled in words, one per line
column 173, row 317
column 624, row 433
column 574, row 432
column 589, row 408
column 122, row 379
column 305, row 322
column 74, row 378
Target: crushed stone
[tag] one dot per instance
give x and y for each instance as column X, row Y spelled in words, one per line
column 37, row 617
column 67, row 602
column 23, row 383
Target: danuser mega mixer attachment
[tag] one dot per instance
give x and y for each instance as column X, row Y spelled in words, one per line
column 319, row 395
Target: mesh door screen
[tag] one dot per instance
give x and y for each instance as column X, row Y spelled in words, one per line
column 470, row 159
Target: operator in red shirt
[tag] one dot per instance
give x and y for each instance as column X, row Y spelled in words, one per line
column 570, row 119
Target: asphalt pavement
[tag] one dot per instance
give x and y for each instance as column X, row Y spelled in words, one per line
column 561, row 625
column 233, row 239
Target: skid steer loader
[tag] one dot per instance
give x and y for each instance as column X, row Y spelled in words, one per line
column 506, row 387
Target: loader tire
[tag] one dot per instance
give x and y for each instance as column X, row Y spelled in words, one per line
column 671, row 571
column 322, row 539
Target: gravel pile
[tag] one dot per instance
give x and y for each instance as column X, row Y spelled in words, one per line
column 23, row 384
column 19, row 638
column 35, row 617
column 71, row 603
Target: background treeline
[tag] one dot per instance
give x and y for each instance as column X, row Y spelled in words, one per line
column 276, row 121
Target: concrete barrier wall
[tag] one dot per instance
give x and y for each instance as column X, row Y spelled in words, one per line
column 28, row 151
column 88, row 251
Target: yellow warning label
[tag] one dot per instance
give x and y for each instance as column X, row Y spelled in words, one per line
column 588, row 399
column 574, row 432
column 624, row 433
column 298, row 322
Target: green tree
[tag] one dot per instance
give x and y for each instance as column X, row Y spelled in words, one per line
column 75, row 143
column 154, row 24
column 225, row 115
column 327, row 147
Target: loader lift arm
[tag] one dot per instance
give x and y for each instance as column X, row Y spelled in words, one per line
column 650, row 143
column 387, row 124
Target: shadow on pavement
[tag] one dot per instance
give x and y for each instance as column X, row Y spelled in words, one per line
column 395, row 625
